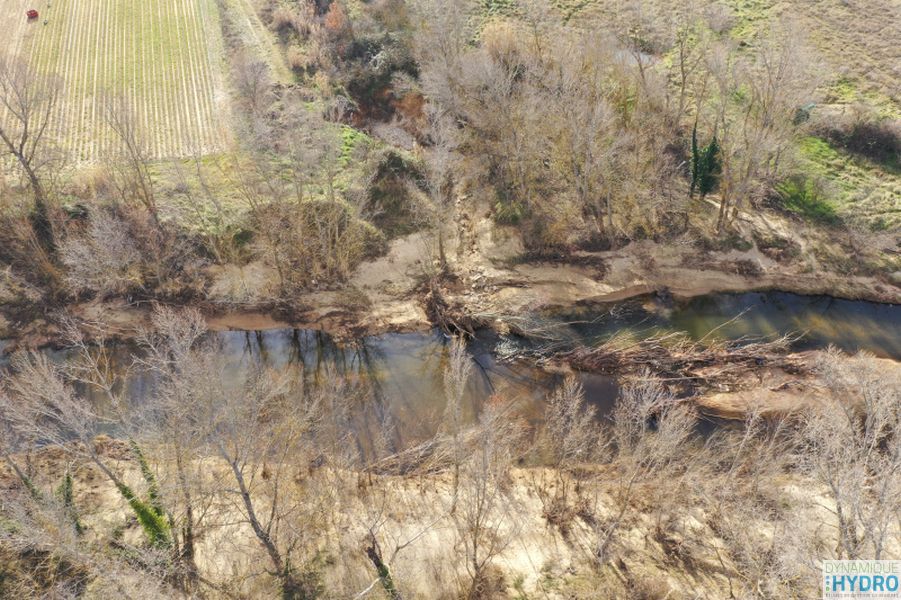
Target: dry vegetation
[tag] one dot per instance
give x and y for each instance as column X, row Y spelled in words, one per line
column 424, row 132
column 576, row 130
column 261, row 487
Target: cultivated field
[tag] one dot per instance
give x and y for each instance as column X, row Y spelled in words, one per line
column 163, row 56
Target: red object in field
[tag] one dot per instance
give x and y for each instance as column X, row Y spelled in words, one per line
column 32, row 14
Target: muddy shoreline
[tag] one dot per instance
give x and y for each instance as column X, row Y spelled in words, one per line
column 489, row 301
column 495, row 303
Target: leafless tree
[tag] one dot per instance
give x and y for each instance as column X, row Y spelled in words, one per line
column 105, row 259
column 484, row 518
column 439, row 177
column 571, row 433
column 42, row 405
column 571, row 436
column 651, row 432
column 131, row 161
column 754, row 131
column 28, row 98
column 172, row 428
column 853, row 449
column 442, row 34
column 456, row 378
column 253, row 82
column 44, row 556
column 261, row 433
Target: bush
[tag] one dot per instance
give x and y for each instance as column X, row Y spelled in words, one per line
column 866, row 134
column 317, row 242
column 298, row 60
column 105, row 259
column 389, row 194
column 777, row 247
column 283, row 20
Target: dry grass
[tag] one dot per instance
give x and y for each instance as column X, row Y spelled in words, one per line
column 857, row 38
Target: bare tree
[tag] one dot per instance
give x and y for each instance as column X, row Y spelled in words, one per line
column 27, row 104
column 571, row 436
column 853, row 449
column 42, row 405
column 456, row 377
column 439, row 177
column 106, row 259
column 133, row 156
column 651, row 431
column 29, row 100
column 45, row 557
column 484, row 518
column 261, row 432
column 442, row 35
column 175, row 433
column 571, row 433
column 736, row 487
column 754, row 109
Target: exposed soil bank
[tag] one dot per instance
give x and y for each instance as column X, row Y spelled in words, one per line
column 390, row 297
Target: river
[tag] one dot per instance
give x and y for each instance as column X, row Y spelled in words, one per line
column 402, row 373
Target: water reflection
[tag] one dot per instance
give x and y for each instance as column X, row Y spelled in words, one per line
column 394, row 379
column 823, row 320
column 398, row 379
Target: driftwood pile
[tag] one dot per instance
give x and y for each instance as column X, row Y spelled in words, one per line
column 429, row 457
column 677, row 359
column 450, row 317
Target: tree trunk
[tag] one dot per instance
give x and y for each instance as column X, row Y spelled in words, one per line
column 187, row 553
column 721, row 218
column 290, row 587
column 375, row 556
column 40, row 218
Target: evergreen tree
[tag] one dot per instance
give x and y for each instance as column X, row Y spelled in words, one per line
column 706, row 165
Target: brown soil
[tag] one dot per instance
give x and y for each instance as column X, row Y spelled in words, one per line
column 488, row 288
column 492, row 281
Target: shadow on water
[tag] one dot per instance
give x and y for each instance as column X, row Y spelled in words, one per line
column 392, row 379
column 402, row 375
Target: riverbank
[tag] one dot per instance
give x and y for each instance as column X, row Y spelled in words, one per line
column 386, row 295
column 493, row 285
column 603, row 520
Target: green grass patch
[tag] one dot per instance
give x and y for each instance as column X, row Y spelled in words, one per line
column 350, row 140
column 750, row 16
column 570, row 8
column 495, row 8
column 802, row 196
column 844, row 91
column 858, row 189
column 820, row 151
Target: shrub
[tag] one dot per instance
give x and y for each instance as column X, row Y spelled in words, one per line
column 105, row 259
column 283, row 20
column 866, row 134
column 298, row 60
column 705, row 165
column 317, row 242
column 389, row 194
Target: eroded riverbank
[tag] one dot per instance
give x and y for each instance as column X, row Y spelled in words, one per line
column 403, row 371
